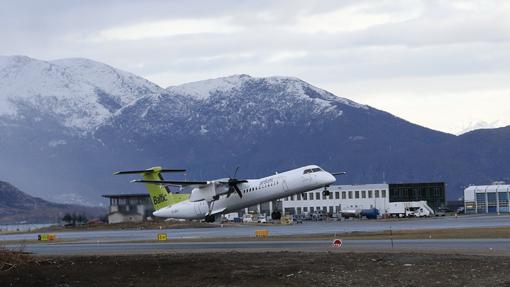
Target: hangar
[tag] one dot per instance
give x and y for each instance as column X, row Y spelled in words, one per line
column 487, row 198
column 366, row 196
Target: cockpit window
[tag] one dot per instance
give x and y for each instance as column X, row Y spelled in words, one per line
column 311, row 170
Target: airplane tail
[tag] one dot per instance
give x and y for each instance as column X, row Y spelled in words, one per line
column 160, row 195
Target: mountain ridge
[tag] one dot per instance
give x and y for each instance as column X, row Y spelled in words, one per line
column 17, row 206
column 263, row 124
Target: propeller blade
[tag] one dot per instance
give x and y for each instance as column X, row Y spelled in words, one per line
column 238, row 191
column 229, row 192
column 235, row 173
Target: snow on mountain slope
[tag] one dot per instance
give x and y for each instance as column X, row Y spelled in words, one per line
column 238, row 104
column 203, row 90
column 123, row 86
column 78, row 93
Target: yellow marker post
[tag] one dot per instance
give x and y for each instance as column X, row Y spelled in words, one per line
column 263, row 233
column 162, row 237
column 46, row 237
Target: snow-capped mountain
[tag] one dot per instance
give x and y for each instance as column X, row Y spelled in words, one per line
column 79, row 94
column 66, row 125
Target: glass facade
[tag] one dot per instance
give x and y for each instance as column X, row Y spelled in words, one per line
column 480, row 202
column 487, row 202
column 433, row 193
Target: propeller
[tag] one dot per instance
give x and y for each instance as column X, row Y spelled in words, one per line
column 232, row 184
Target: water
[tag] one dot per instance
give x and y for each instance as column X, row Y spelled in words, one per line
column 22, row 227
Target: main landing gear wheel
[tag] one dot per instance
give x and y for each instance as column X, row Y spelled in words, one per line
column 326, row 192
column 209, row 218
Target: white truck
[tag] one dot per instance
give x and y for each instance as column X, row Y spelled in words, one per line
column 231, row 216
column 410, row 209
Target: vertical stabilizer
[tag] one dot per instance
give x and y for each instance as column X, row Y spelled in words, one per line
column 160, row 195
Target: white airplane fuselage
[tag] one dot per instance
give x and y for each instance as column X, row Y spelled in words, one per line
column 254, row 191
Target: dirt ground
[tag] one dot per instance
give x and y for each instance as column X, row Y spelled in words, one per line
column 259, row 269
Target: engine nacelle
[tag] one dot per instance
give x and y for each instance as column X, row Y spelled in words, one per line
column 209, row 193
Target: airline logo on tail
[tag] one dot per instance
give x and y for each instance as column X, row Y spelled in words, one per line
column 160, row 195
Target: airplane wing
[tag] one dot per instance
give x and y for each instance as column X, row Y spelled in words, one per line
column 338, row 173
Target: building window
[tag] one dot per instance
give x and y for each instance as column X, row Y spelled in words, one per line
column 305, row 196
column 311, row 209
column 369, row 194
column 311, row 195
column 383, row 193
column 377, row 194
column 357, row 193
column 337, row 195
column 363, row 194
column 305, row 209
column 292, row 197
column 344, row 195
column 350, row 194
column 318, row 195
column 298, row 197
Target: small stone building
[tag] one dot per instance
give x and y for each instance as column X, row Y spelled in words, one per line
column 129, row 208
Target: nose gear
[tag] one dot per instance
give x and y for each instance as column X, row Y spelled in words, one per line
column 326, row 192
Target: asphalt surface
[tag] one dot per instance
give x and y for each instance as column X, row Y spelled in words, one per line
column 307, row 228
column 479, row 246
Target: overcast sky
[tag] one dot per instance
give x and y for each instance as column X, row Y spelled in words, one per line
column 441, row 64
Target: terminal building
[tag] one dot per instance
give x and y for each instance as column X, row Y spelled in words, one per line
column 487, row 198
column 367, row 196
column 129, row 207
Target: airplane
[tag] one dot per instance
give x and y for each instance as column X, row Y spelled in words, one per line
column 210, row 199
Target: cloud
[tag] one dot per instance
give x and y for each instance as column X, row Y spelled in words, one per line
column 352, row 18
column 167, row 28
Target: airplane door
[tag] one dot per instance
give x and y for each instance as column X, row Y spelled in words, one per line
column 285, row 187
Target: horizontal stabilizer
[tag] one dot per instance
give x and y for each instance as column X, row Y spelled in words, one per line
column 172, row 182
column 156, row 169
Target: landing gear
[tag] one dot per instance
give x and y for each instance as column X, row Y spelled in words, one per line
column 276, row 215
column 326, row 192
column 209, row 218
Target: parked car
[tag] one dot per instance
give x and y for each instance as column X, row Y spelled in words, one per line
column 261, row 219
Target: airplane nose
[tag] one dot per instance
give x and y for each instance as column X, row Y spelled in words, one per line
column 330, row 178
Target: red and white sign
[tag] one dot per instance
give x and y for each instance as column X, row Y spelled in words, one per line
column 337, row 243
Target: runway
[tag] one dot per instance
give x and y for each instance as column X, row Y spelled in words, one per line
column 481, row 246
column 307, row 228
